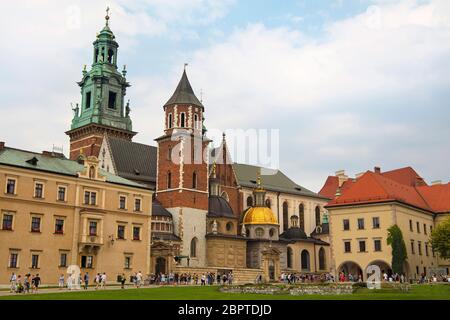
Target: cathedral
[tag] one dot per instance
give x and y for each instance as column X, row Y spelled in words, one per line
column 208, row 213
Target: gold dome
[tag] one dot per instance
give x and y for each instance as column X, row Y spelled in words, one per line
column 260, row 215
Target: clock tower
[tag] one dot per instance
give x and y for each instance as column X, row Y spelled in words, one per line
column 103, row 109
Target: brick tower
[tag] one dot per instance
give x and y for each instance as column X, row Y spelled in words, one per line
column 182, row 178
column 103, row 109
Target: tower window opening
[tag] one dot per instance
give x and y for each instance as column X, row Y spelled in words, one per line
column 194, row 180
column 182, row 120
column 169, row 180
column 196, row 125
column 110, row 55
column 169, row 124
column 96, row 56
column 112, row 100
column 87, row 104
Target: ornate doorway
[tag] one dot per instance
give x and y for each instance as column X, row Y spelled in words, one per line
column 160, row 266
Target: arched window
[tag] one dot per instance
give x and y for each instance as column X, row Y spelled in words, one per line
column 110, row 56
column 182, row 120
column 169, row 122
column 259, row 232
column 194, row 180
column 289, row 257
column 271, row 232
column 169, row 180
column 268, row 204
column 317, row 215
column 322, row 262
column 169, row 154
column 196, row 124
column 225, row 196
column 301, row 215
column 285, row 216
column 194, row 247
column 229, row 226
column 305, row 260
column 249, row 201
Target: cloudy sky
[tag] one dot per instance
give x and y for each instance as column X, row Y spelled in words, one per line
column 350, row 84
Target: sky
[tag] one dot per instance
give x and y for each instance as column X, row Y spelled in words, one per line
column 349, row 84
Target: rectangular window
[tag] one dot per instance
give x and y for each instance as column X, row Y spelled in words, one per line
column 137, row 204
column 362, row 246
column 121, row 232
column 127, row 264
column 13, row 260
column 347, row 247
column 87, row 105
column 425, row 228
column 419, row 247
column 34, row 261
column 35, row 224
column 112, row 100
column 136, row 233
column 377, row 245
column 7, row 222
column 90, row 197
column 11, row 186
column 92, row 228
column 61, row 193
column 431, row 229
column 426, row 250
column 63, row 260
column 376, row 222
column 413, row 251
column 38, row 190
column 410, row 226
column 59, row 226
column 87, row 262
column 360, row 223
column 418, row 226
column 346, row 223
column 122, row 202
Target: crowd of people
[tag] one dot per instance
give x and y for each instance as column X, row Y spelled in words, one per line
column 29, row 283
column 292, row 278
column 208, row 278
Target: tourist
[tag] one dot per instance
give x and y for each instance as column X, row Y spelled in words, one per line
column 26, row 283
column 36, row 283
column 203, row 279
column 97, row 280
column 61, row 281
column 138, row 279
column 103, row 280
column 86, row 280
column 122, row 281
column 13, row 281
column 19, row 288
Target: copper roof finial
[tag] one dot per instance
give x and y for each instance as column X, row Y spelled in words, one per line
column 107, row 15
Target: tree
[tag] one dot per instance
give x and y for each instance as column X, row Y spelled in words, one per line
column 399, row 255
column 440, row 239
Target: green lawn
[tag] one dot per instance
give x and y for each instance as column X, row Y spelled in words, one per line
column 417, row 292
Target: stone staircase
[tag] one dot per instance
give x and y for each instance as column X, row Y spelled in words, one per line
column 240, row 275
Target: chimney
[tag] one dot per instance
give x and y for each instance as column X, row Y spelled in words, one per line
column 377, row 170
column 342, row 177
column 436, row 183
column 53, row 154
column 2, row 145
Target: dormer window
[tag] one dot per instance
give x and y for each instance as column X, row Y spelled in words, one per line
column 33, row 161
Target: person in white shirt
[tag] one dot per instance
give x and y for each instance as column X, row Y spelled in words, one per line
column 13, row 281
column 61, row 282
column 103, row 280
column 138, row 279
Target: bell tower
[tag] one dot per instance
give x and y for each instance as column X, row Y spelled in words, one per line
column 103, row 109
column 182, row 170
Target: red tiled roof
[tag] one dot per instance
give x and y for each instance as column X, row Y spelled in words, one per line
column 407, row 176
column 330, row 187
column 437, row 197
column 372, row 187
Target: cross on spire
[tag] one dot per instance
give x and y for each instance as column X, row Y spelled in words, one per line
column 107, row 15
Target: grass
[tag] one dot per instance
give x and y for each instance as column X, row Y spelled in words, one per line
column 417, row 292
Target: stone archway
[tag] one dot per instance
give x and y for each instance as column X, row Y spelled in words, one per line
column 384, row 267
column 350, row 268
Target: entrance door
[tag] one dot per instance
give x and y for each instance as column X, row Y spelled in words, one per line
column 271, row 270
column 160, row 265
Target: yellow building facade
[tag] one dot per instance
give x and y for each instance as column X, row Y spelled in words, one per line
column 56, row 213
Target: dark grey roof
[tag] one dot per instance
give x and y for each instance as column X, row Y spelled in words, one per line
column 159, row 210
column 165, row 236
column 325, row 229
column 294, row 233
column 134, row 161
column 272, row 180
column 184, row 94
column 219, row 207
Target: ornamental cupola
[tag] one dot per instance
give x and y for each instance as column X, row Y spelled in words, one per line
column 103, row 108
